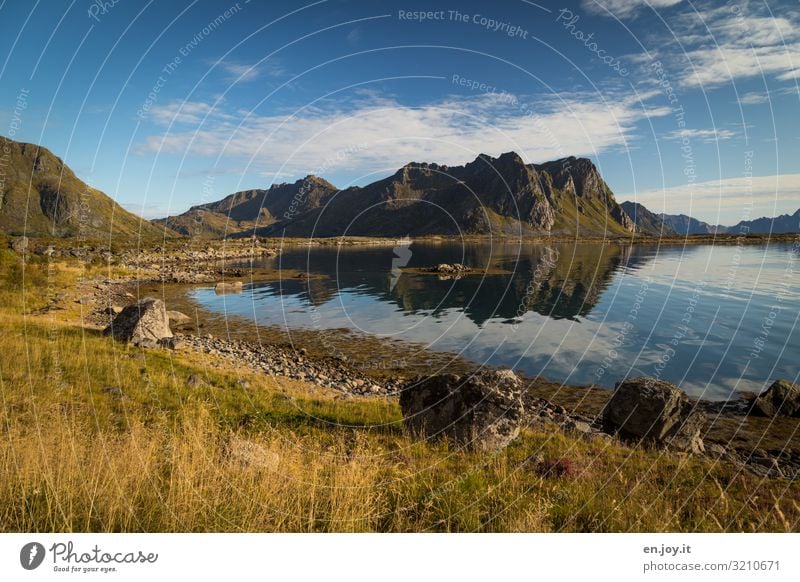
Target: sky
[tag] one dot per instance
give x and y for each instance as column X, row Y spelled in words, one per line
column 685, row 107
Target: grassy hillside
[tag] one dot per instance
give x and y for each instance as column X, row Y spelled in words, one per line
column 41, row 196
column 97, row 436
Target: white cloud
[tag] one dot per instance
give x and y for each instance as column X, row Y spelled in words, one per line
column 753, row 98
column 713, row 66
column 243, row 72
column 239, row 73
column 736, row 41
column 702, row 135
column 625, row 8
column 378, row 134
column 726, row 201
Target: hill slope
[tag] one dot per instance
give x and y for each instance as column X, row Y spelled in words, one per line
column 647, row 221
column 41, row 196
column 250, row 209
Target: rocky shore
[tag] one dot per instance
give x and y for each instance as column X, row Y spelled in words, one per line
column 328, row 373
column 101, row 300
column 189, row 265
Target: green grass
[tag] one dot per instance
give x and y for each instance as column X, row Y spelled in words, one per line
column 280, row 455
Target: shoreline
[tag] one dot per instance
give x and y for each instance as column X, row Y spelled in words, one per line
column 760, row 445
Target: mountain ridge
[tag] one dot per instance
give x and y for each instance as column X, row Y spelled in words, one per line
column 488, row 195
column 684, row 225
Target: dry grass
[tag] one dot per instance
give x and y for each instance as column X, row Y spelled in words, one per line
column 156, row 454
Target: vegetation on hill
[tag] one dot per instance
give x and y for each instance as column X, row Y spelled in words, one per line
column 41, row 196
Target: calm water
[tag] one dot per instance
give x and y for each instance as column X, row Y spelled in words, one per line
column 712, row 319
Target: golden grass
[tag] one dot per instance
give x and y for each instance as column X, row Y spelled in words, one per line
column 157, row 454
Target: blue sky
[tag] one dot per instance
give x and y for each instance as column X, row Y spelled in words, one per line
column 685, row 107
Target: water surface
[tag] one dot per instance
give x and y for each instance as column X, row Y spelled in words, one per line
column 712, row 319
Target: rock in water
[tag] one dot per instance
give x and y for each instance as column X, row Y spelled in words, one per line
column 144, row 323
column 780, row 399
column 484, row 411
column 225, row 287
column 646, row 409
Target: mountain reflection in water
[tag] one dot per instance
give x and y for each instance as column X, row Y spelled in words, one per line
column 577, row 313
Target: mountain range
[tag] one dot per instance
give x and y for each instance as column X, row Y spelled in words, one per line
column 683, row 225
column 502, row 196
column 41, row 196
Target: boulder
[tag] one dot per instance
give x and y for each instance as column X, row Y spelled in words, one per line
column 448, row 268
column 19, row 244
column 650, row 410
column 143, row 323
column 483, row 411
column 172, row 343
column 780, row 399
column 178, row 318
column 224, row 287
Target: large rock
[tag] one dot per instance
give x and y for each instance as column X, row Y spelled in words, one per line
column 448, row 268
column 780, row 399
column 143, row 323
column 484, row 411
column 226, row 287
column 19, row 244
column 178, row 318
column 650, row 410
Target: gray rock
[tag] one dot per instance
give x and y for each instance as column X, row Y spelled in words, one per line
column 780, row 399
column 225, row 287
column 650, row 410
column 172, row 343
column 145, row 342
column 448, row 268
column 577, row 426
column 19, row 244
column 715, row 450
column 178, row 318
column 145, row 320
column 484, row 411
column 195, row 381
column 113, row 390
